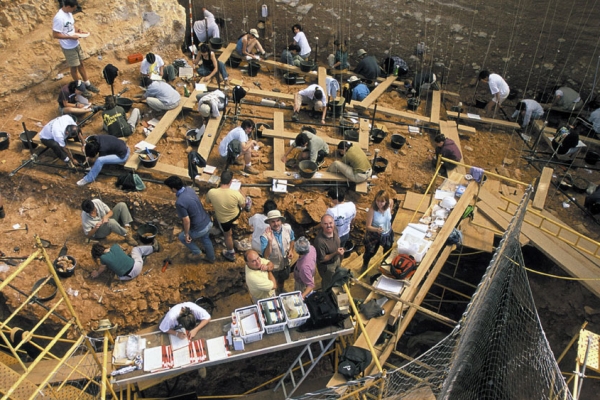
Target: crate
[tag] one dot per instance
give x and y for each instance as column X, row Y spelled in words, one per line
column 273, row 303
column 241, row 314
column 135, row 58
column 302, row 309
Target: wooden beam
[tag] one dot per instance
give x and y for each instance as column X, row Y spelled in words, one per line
column 477, row 237
column 321, row 176
column 552, row 131
column 375, row 94
column 278, row 143
column 328, row 139
column 541, row 192
column 466, row 130
column 436, row 103
column 392, row 112
column 321, row 76
column 483, row 120
column 208, row 139
column 227, row 52
column 363, row 133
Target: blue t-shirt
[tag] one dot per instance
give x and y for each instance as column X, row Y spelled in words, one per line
column 360, row 92
column 188, row 205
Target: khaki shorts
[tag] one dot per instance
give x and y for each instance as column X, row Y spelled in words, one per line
column 74, row 56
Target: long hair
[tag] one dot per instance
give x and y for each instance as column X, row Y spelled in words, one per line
column 381, row 195
column 187, row 319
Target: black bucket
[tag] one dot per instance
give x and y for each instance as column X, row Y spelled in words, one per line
column 190, row 135
column 290, row 78
column 378, row 135
column 259, row 128
column 337, row 106
column 306, row 66
column 348, row 248
column 397, row 141
column 149, row 160
column 413, row 104
column 65, row 272
column 480, row 103
column 28, row 134
column 307, row 169
column 351, row 135
column 253, row 68
column 147, row 232
column 216, row 43
column 4, row 140
column 592, row 157
column 234, row 61
column 379, row 165
column 48, row 292
column 125, row 103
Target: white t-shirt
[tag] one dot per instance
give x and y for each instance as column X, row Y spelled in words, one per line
column 257, row 222
column 55, row 129
column 497, row 84
column 300, row 38
column 146, row 68
column 310, row 93
column 343, row 214
column 64, row 22
column 170, row 320
column 237, row 133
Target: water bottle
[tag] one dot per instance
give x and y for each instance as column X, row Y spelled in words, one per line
column 396, row 68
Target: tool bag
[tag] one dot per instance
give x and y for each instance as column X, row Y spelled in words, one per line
column 195, row 160
column 324, row 311
column 353, row 361
column 403, row 266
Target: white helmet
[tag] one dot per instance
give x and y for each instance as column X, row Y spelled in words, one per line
column 204, row 110
column 448, row 202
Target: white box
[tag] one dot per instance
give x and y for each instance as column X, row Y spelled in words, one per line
column 294, row 299
column 250, row 323
column 413, row 245
column 273, row 309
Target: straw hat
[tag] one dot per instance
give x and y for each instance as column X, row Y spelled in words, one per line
column 361, row 52
column 104, row 325
column 353, row 79
column 274, row 214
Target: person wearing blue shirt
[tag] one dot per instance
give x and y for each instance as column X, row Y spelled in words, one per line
column 359, row 90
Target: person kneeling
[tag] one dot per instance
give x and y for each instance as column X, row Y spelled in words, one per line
column 115, row 259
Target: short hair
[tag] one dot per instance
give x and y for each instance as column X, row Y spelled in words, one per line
column 72, row 131
column 247, row 123
column 150, row 57
column 174, row 182
column 73, row 85
column 484, row 74
column 186, row 318
column 146, row 81
column 269, row 205
column 344, row 145
column 70, row 3
column 297, row 26
column 318, row 94
column 110, row 102
column 293, row 47
column 97, row 250
column 383, row 195
column 302, row 246
column 87, row 206
column 204, row 48
column 439, row 138
column 226, row 177
column 92, row 147
column 301, row 140
column 337, row 193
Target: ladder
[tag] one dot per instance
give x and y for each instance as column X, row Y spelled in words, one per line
column 324, row 346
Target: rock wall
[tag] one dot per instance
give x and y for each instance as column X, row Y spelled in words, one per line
column 30, row 54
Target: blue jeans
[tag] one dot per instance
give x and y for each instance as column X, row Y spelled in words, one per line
column 203, row 71
column 203, row 235
column 100, row 162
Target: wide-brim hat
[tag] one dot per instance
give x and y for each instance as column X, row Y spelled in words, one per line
column 104, row 325
column 361, row 52
column 274, row 214
column 353, row 78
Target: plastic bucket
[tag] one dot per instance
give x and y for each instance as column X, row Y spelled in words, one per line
column 379, row 165
column 234, row 61
column 306, row 66
column 64, row 271
column 28, row 134
column 307, row 169
column 48, row 292
column 253, row 68
column 4, row 140
column 190, row 135
column 125, row 103
column 259, row 128
column 289, row 78
column 592, row 157
column 351, row 135
column 348, row 248
column 378, row 135
column 147, row 232
column 397, row 141
column 216, row 43
column 149, row 160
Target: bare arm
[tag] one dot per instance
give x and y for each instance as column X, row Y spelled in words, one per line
column 186, row 229
column 191, row 334
column 272, row 279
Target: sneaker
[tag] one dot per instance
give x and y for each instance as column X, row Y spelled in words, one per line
column 295, row 117
column 156, row 246
column 249, row 169
column 195, row 257
column 320, row 163
column 267, row 55
column 87, row 95
column 82, row 182
column 202, row 373
column 228, row 256
column 92, row 88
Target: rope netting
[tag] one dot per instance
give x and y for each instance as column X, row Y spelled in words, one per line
column 497, row 351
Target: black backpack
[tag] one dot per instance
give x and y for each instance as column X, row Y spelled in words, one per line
column 353, row 361
column 195, row 160
column 110, row 73
column 324, row 311
column 238, row 93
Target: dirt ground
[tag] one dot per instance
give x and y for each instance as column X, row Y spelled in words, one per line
column 48, row 200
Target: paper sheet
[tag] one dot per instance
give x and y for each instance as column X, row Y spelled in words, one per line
column 153, row 358
column 473, row 116
column 216, row 348
column 176, row 342
column 144, row 145
column 250, row 324
column 389, row 285
column 181, row 357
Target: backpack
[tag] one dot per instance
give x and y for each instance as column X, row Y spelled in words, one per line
column 353, row 361
column 324, row 311
column 195, row 160
column 110, row 73
column 129, row 183
column 403, row 266
column 238, row 93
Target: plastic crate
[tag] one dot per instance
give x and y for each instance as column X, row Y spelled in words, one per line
column 272, row 308
column 135, row 58
column 244, row 312
column 300, row 307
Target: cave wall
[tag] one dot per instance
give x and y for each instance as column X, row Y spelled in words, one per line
column 534, row 45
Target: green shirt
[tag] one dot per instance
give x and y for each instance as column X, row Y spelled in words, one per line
column 117, row 260
column 357, row 159
column 116, row 122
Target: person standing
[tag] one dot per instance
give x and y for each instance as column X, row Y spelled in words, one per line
column 228, row 204
column 116, row 260
column 306, row 267
column 379, row 226
column 498, row 88
column 329, row 251
column 99, row 221
column 188, row 315
column 206, row 28
column 113, row 118
column 160, row 96
column 195, row 219
column 63, row 29
column 108, row 149
column 343, row 213
column 237, row 143
column 55, row 133
column 259, row 276
column 301, row 40
column 257, row 222
column 354, row 165
column 276, row 245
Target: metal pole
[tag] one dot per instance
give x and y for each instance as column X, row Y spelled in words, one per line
column 192, row 29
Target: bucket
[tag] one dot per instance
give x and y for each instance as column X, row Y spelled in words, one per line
column 125, row 103
column 149, row 160
column 4, row 140
column 480, row 103
column 234, row 61
column 306, row 66
column 307, row 168
column 413, row 104
column 378, row 135
column 379, row 165
column 337, row 106
column 397, row 141
column 190, row 135
column 289, row 78
column 580, row 184
column 348, row 248
column 147, row 232
column 351, row 135
column 216, row 43
column 46, row 293
column 592, row 157
column 65, row 266
column 259, row 128
column 30, row 134
column 253, row 68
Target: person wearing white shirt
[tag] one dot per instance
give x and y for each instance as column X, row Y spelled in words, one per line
column 314, row 97
column 498, row 88
column 55, row 134
column 206, row 28
column 343, row 212
column 301, row 40
column 257, row 222
column 216, row 100
column 188, row 315
column 238, row 138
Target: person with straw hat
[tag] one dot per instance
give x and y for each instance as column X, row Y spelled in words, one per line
column 277, row 244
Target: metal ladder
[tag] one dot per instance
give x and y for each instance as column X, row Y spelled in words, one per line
column 324, row 347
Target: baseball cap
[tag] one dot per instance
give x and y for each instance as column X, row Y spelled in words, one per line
column 204, row 110
column 254, row 33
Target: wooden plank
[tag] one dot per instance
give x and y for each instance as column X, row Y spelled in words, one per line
column 466, row 130
column 375, row 94
column 476, row 237
column 321, row 76
column 436, row 104
column 498, row 218
column 541, row 192
column 208, row 139
column 412, row 200
column 324, row 176
column 483, row 120
column 493, row 185
column 227, row 52
column 284, row 67
column 449, row 130
column 363, row 133
column 292, row 135
column 402, row 219
column 191, row 102
column 278, row 143
column 74, row 147
column 393, row 112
